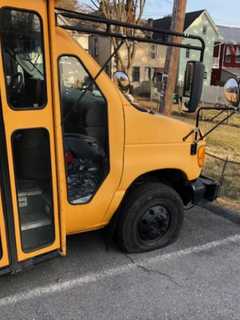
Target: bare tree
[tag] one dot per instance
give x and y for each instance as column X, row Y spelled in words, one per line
column 130, row 11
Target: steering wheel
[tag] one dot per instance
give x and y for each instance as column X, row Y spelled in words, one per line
column 17, row 82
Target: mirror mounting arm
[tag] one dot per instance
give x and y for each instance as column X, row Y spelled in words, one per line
column 233, row 111
column 197, row 131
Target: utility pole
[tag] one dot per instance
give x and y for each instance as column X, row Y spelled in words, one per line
column 172, row 58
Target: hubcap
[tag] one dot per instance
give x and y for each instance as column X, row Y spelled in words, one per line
column 154, row 224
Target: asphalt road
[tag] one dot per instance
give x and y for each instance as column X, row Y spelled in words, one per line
column 196, row 278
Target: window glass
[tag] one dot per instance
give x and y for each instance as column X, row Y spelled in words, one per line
column 23, row 59
column 238, row 55
column 32, row 164
column 204, row 30
column 228, row 55
column 153, row 51
column 136, row 74
column 148, row 73
column 74, row 76
column 216, row 49
column 157, row 77
column 85, row 131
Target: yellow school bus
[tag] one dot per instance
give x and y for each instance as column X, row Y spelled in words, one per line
column 76, row 153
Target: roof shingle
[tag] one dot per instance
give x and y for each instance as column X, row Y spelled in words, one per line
column 230, row 34
column 165, row 23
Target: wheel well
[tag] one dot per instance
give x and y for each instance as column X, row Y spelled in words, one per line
column 174, row 178
column 171, row 177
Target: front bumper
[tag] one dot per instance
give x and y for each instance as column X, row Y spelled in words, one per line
column 204, row 189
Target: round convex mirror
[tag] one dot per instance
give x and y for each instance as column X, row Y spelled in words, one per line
column 122, row 80
column 232, row 92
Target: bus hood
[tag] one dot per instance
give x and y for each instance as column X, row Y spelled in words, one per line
column 147, row 128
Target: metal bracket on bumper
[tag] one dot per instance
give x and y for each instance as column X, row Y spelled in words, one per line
column 204, row 189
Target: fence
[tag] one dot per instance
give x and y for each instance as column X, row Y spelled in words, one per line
column 213, row 95
column 227, row 173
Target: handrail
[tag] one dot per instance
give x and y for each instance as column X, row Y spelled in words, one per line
column 108, row 32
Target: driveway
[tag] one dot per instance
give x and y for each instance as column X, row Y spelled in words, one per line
column 196, row 278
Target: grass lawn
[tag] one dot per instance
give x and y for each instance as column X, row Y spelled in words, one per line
column 224, row 143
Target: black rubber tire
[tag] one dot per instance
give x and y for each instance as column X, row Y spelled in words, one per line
column 134, row 207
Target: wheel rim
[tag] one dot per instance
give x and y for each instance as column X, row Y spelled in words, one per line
column 154, row 223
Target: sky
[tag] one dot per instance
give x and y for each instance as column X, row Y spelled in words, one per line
column 224, row 12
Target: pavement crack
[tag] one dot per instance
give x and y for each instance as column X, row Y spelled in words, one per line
column 153, row 271
column 162, row 274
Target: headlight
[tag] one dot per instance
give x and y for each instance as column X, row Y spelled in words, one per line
column 201, row 155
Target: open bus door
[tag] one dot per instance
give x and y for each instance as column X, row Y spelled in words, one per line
column 30, row 225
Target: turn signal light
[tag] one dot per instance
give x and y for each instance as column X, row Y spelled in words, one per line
column 201, row 156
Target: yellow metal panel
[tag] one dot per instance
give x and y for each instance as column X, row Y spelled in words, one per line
column 115, row 203
column 4, row 260
column 58, row 133
column 153, row 142
column 29, row 119
column 156, row 143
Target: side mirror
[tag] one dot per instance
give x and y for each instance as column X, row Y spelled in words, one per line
column 232, row 92
column 121, row 79
column 193, row 84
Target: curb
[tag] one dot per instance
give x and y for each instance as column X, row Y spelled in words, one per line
column 228, row 214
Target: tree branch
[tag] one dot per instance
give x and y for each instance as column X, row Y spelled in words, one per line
column 130, row 11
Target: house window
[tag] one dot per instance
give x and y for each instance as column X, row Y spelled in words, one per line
column 157, row 77
column 204, row 29
column 148, row 74
column 188, row 53
column 238, row 55
column 228, row 55
column 216, row 50
column 216, row 55
column 153, row 51
column 136, row 74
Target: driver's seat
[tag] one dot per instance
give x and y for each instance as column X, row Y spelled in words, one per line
column 96, row 120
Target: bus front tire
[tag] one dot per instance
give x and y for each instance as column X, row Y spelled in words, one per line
column 150, row 218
